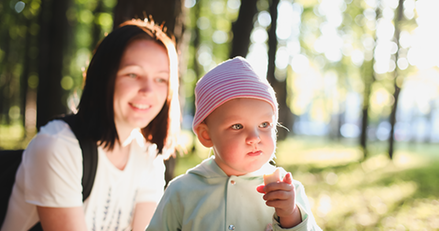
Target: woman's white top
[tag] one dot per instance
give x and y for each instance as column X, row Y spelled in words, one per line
column 50, row 176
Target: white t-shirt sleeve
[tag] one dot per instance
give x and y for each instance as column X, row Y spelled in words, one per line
column 53, row 169
column 152, row 179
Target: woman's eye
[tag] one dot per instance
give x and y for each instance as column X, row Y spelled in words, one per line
column 161, row 80
column 132, row 75
column 264, row 124
column 237, row 126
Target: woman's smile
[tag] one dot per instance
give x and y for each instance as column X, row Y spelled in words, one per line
column 140, row 106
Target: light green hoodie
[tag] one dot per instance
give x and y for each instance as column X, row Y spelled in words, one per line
column 205, row 198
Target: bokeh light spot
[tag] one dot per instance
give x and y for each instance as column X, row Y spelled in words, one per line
column 19, row 6
column 203, row 23
column 264, row 19
column 67, row 83
column 220, row 37
column 189, row 3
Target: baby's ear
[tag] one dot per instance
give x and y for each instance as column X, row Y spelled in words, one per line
column 202, row 132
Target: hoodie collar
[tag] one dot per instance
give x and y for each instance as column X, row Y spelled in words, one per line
column 209, row 169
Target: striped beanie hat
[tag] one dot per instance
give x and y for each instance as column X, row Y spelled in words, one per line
column 232, row 79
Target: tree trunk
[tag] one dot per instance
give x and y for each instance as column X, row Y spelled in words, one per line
column 196, row 65
column 279, row 86
column 242, row 28
column 169, row 12
column 53, row 41
column 25, row 74
column 4, row 82
column 368, row 79
column 397, row 89
column 430, row 116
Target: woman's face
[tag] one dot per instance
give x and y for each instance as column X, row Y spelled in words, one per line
column 141, row 85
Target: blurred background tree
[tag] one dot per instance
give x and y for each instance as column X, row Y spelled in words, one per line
column 357, row 84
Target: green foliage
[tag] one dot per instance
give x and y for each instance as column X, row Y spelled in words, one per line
column 11, row 137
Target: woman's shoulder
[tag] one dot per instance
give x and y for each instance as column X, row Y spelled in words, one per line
column 54, row 149
column 55, row 136
column 56, row 128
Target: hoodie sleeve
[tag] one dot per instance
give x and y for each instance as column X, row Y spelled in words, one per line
column 168, row 215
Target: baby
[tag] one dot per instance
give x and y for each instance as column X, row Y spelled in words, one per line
column 236, row 115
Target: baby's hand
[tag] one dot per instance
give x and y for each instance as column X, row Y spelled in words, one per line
column 282, row 196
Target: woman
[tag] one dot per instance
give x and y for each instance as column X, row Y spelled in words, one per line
column 129, row 106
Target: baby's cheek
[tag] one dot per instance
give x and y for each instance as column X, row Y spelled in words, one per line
column 272, row 140
column 273, row 135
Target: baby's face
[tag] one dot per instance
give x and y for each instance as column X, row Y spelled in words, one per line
column 243, row 135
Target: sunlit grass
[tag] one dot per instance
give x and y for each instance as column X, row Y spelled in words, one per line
column 377, row 194
column 316, row 152
column 349, row 194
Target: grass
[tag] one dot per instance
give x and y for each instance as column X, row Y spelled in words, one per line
column 349, row 194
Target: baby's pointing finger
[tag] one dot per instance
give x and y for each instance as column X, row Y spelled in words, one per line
column 260, row 188
column 288, row 178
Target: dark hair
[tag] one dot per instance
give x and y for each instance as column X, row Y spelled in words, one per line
column 95, row 110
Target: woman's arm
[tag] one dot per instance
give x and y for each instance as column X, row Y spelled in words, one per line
column 143, row 214
column 66, row 219
column 52, row 178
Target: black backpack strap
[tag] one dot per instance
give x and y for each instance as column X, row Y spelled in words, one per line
column 9, row 162
column 89, row 155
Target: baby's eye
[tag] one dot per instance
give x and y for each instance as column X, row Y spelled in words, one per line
column 237, row 126
column 264, row 125
column 132, row 75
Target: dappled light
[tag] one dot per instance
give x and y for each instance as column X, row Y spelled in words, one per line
column 220, row 37
column 258, row 58
column 357, row 84
column 367, row 194
column 264, row 19
column 300, row 63
column 189, row 3
column 424, row 42
column 233, row 4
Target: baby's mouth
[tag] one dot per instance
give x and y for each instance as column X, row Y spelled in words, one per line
column 255, row 153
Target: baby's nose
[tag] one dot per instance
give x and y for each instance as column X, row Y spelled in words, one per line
column 253, row 137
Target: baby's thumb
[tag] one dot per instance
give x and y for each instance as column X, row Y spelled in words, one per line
column 288, row 178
